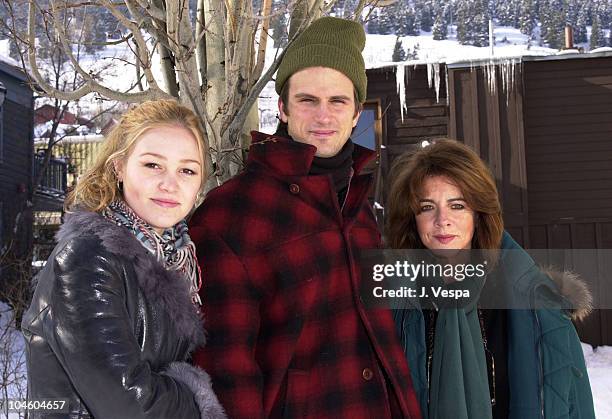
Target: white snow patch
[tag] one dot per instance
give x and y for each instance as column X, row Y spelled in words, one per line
column 599, row 368
column 5, row 52
column 12, row 358
column 600, row 49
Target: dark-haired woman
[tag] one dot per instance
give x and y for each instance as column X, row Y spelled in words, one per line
column 471, row 363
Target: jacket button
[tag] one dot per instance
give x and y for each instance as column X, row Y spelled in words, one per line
column 294, row 188
column 577, row 372
column 367, row 374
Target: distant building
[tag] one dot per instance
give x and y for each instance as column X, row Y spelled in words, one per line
column 16, row 150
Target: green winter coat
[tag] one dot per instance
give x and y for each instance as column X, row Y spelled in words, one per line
column 546, row 370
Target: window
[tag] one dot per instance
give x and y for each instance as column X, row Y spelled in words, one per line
column 368, row 133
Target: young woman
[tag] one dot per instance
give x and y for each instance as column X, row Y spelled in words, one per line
column 115, row 313
column 467, row 362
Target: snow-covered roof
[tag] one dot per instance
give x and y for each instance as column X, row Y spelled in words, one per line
column 563, row 55
column 8, row 60
column 12, row 67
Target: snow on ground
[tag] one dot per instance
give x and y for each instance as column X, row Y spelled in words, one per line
column 599, row 367
column 13, row 374
column 509, row 42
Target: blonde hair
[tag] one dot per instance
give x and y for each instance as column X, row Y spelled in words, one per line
column 98, row 187
column 461, row 165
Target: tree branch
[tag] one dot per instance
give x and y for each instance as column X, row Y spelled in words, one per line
column 142, row 45
column 201, row 44
column 266, row 8
column 89, row 86
column 153, row 10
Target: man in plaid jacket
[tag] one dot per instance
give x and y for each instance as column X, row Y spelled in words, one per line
column 288, row 335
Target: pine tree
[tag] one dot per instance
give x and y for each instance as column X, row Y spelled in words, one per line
column 516, row 13
column 580, row 32
column 552, row 18
column 385, row 21
column 499, row 11
column 406, row 22
column 440, row 29
column 413, row 54
column 109, row 23
column 424, row 12
column 597, row 36
column 465, row 19
column 372, row 25
column 398, row 51
column 527, row 18
column 279, row 26
column 481, row 24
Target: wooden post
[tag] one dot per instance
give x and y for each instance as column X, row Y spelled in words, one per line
column 569, row 37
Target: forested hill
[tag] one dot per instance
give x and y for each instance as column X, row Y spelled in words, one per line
column 542, row 20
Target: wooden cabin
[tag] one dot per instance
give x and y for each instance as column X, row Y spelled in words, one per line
column 544, row 125
column 16, row 125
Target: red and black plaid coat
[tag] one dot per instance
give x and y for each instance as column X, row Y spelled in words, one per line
column 287, row 333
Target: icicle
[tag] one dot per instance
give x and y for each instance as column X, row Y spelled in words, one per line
column 447, row 92
column 508, row 75
column 433, row 78
column 400, row 83
column 489, row 71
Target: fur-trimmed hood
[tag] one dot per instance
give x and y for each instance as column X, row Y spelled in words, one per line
column 162, row 288
column 574, row 289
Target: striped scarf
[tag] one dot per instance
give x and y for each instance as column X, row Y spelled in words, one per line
column 173, row 249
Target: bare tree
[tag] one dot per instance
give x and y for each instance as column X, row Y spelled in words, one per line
column 55, row 72
column 211, row 54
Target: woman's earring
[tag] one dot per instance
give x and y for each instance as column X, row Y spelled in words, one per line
column 119, row 185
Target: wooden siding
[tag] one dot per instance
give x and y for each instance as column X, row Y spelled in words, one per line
column 593, row 265
column 15, row 168
column 424, row 117
column 568, row 143
column 490, row 122
column 568, row 132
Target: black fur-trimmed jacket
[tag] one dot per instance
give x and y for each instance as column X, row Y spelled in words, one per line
column 110, row 330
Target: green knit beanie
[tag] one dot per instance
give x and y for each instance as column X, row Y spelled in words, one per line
column 328, row 42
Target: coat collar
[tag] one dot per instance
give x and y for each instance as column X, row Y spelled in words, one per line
column 163, row 288
column 290, row 158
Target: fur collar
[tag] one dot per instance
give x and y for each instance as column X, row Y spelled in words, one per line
column 574, row 289
column 161, row 287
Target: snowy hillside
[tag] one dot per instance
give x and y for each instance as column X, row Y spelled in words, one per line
column 509, row 43
column 115, row 70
